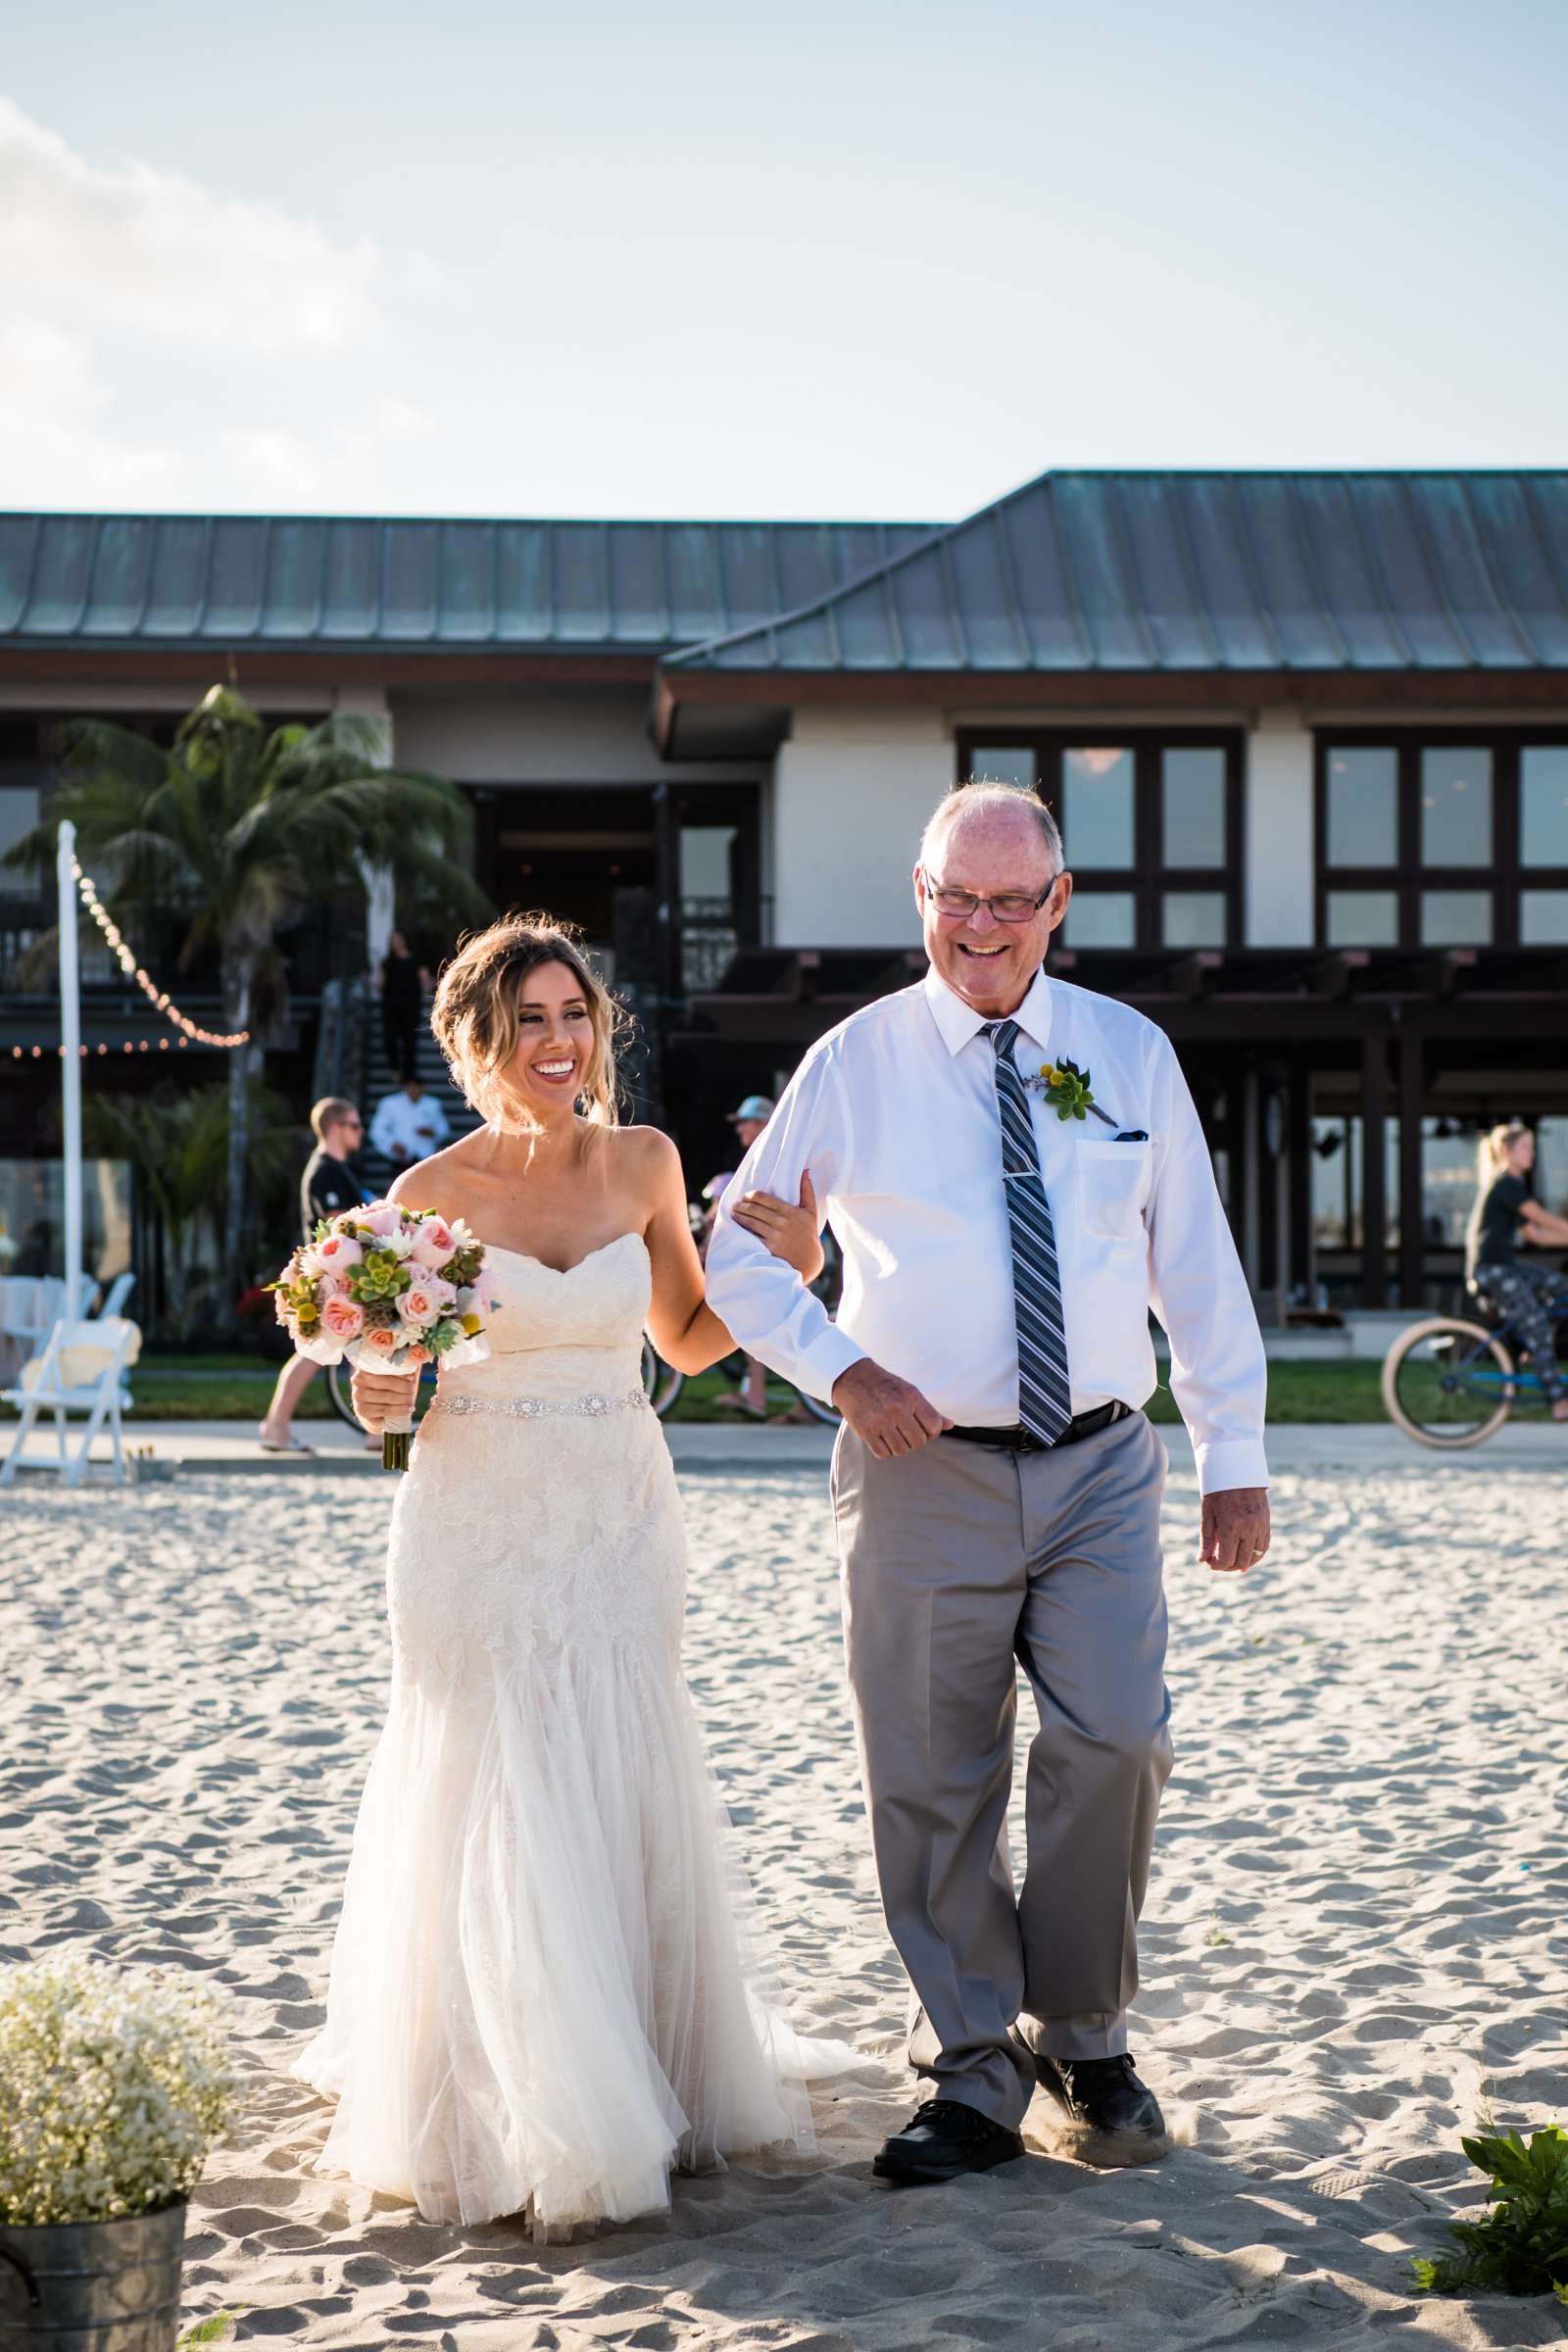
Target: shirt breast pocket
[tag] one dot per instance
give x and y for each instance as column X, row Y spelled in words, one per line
column 1113, row 1187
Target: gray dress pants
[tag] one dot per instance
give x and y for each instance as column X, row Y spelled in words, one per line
column 961, row 1564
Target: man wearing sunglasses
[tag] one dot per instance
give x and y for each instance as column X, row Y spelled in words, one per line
column 327, row 1186
column 995, row 1484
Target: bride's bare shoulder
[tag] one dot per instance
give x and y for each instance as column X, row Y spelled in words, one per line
column 443, row 1182
column 646, row 1153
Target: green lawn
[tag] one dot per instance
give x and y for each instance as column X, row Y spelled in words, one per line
column 216, row 1387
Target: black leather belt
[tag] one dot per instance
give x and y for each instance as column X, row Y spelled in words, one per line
column 1024, row 1441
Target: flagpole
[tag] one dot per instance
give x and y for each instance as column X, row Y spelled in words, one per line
column 70, row 1061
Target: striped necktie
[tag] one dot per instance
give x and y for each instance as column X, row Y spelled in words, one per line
column 1045, row 1397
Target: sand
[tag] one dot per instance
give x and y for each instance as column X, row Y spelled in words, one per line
column 1354, row 1943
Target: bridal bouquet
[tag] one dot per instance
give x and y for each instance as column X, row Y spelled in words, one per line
column 389, row 1290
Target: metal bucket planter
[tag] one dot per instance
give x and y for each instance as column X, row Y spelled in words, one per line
column 92, row 2287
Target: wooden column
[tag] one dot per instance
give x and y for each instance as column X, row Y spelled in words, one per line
column 1251, row 1175
column 1374, row 1192
column 1412, row 1236
column 1304, row 1255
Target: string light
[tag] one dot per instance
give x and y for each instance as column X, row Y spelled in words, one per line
column 160, row 999
column 143, row 1044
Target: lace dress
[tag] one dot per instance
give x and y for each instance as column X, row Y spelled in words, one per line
column 540, row 1998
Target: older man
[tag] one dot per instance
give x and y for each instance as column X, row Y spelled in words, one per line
column 995, row 1484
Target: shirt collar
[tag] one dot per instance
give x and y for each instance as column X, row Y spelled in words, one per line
column 956, row 1022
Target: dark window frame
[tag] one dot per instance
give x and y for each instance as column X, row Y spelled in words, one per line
column 1148, row 879
column 1502, row 879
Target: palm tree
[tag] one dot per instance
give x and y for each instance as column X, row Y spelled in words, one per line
column 236, row 830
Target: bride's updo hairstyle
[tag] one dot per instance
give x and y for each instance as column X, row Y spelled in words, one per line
column 474, row 1016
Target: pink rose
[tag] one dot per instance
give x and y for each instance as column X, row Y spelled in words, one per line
column 382, row 1342
column 335, row 1253
column 342, row 1318
column 381, row 1218
column 419, row 1304
column 433, row 1244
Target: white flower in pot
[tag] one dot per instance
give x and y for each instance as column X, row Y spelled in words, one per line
column 114, row 2085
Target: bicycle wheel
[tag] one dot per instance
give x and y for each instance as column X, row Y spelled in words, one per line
column 1449, row 1382
column 339, row 1377
column 661, row 1383
column 826, row 1413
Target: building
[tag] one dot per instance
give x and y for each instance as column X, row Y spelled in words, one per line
column 1307, row 736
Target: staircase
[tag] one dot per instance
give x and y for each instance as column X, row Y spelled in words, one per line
column 377, row 1173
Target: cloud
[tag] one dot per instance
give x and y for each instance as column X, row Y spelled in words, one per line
column 103, row 266
column 282, row 467
column 56, row 447
column 138, row 246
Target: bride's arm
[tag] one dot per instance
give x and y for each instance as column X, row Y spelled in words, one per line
column 682, row 1325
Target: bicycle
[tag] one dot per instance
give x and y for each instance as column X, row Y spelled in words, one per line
column 1451, row 1382
column 662, row 1384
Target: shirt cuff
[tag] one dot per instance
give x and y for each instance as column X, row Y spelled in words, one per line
column 1225, row 1462
column 822, row 1361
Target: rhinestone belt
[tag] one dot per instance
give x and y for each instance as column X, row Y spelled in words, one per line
column 535, row 1409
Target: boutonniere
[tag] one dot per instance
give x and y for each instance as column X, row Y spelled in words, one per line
column 1066, row 1088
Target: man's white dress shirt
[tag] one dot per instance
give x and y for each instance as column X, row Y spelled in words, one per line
column 416, row 1128
column 895, row 1114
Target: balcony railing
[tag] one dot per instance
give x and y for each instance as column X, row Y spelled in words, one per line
column 711, row 935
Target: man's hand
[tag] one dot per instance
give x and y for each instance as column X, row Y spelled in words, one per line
column 1235, row 1529
column 380, row 1397
column 887, row 1414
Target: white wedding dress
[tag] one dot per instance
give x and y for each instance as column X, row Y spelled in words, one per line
column 541, row 1999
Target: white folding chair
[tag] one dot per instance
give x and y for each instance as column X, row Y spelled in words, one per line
column 78, row 1372
column 115, row 1298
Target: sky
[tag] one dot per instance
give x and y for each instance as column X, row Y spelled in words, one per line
column 861, row 258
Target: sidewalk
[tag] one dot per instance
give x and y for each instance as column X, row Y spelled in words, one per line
column 1357, row 1446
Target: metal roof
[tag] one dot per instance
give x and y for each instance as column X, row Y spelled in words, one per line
column 314, row 581
column 1203, row 572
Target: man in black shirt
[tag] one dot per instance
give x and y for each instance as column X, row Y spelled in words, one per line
column 327, row 1186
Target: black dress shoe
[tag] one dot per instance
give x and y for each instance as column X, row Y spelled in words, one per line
column 944, row 2139
column 1106, row 2115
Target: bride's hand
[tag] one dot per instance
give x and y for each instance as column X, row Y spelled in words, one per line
column 382, row 1397
column 791, row 1232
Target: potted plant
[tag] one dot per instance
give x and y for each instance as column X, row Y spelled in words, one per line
column 114, row 2085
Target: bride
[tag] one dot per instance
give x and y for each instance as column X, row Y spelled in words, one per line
column 541, row 1996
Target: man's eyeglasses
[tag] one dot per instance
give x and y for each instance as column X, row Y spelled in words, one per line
column 1008, row 906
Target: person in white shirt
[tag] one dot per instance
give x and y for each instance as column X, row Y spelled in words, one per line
column 409, row 1125
column 995, row 1484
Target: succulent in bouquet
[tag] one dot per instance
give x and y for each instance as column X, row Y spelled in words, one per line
column 386, row 1289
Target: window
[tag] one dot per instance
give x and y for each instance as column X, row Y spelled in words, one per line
column 19, row 813
column 1363, row 918
column 1427, row 841
column 1097, row 809
column 1455, row 918
column 1456, row 806
column 1363, row 805
column 1101, row 918
column 1195, row 918
column 1193, row 811
column 1543, row 918
column 1544, row 805
column 1004, row 764
column 1152, row 825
